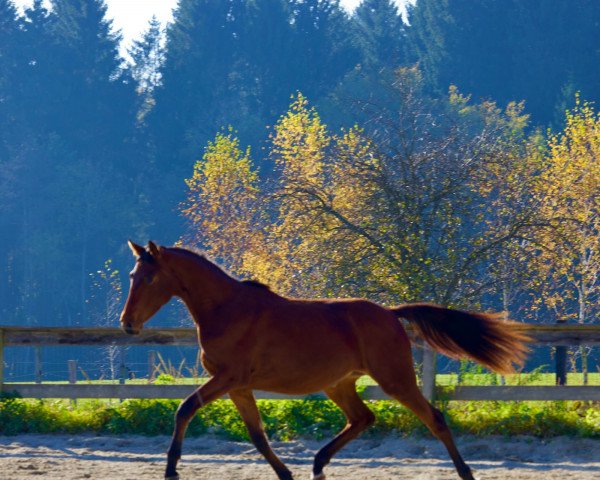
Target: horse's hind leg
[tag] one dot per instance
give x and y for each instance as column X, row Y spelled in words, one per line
column 389, row 362
column 359, row 418
column 246, row 405
column 433, row 419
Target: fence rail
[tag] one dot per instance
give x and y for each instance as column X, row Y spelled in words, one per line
column 549, row 335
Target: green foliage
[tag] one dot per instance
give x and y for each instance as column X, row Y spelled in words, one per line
column 311, row 417
column 288, row 419
column 532, row 377
column 543, row 419
column 13, row 413
column 471, row 373
column 146, row 417
column 42, row 416
column 164, row 379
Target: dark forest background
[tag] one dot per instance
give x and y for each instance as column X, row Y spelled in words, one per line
column 94, row 148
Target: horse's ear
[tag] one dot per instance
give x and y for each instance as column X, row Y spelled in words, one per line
column 136, row 249
column 153, row 249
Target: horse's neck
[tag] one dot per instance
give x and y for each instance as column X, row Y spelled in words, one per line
column 203, row 287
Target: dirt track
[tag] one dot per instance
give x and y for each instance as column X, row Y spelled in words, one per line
column 133, row 458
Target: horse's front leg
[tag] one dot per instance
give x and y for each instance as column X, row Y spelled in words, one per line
column 246, row 405
column 215, row 388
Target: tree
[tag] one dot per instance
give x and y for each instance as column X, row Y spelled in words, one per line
column 13, row 63
column 10, row 43
column 86, row 70
column 73, row 147
column 321, row 39
column 566, row 247
column 236, row 62
column 105, row 301
column 267, row 50
column 430, row 26
column 19, row 289
column 147, row 59
column 201, row 45
column 221, row 198
column 493, row 49
column 380, row 34
column 299, row 147
column 397, row 211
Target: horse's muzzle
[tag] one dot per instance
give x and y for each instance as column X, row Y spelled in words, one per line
column 129, row 329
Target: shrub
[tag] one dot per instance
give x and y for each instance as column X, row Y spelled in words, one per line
column 287, row 419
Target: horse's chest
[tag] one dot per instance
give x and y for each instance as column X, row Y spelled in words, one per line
column 223, row 354
column 209, row 365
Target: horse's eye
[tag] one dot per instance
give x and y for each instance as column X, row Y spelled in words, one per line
column 149, row 279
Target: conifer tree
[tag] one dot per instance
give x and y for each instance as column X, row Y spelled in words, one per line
column 201, row 44
column 380, row 33
column 12, row 62
column 86, row 71
column 11, row 136
column 495, row 50
column 75, row 173
column 267, row 51
column 324, row 51
column 147, row 58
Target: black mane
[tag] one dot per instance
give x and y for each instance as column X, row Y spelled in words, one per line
column 257, row 284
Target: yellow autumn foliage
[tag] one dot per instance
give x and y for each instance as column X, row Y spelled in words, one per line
column 567, row 195
column 435, row 211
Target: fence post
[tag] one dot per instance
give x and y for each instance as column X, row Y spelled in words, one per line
column 428, row 388
column 584, row 364
column 151, row 364
column 561, row 365
column 418, row 348
column 38, row 364
column 122, row 367
column 72, row 371
column 1, row 359
column 561, row 360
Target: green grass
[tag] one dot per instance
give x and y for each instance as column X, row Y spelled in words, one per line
column 288, row 419
column 314, row 418
column 516, row 379
column 534, row 378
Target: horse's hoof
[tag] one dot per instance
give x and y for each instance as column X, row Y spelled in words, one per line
column 320, row 476
column 173, row 477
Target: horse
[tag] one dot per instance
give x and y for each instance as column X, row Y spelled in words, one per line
column 251, row 338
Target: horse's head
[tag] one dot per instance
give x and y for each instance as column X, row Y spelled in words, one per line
column 149, row 287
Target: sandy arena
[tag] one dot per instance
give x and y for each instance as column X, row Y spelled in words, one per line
column 69, row 457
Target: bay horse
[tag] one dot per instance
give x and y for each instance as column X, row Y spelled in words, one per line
column 254, row 339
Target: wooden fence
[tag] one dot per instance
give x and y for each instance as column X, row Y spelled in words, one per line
column 549, row 335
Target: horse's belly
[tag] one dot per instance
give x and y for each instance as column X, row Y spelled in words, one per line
column 300, row 386
column 302, row 372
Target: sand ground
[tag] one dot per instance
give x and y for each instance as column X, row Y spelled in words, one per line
column 69, row 457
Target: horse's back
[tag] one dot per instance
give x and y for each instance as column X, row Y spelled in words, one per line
column 375, row 326
column 348, row 322
column 348, row 329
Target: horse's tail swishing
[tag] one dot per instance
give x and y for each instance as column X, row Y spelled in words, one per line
column 485, row 338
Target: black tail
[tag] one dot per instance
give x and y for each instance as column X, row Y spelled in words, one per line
column 486, row 338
